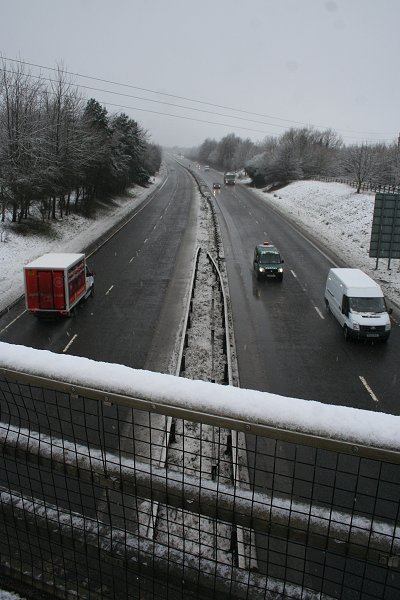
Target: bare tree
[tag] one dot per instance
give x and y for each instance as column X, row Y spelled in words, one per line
column 19, row 128
column 63, row 108
column 360, row 163
column 226, row 151
column 244, row 151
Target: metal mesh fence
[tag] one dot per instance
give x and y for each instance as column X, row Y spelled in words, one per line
column 105, row 499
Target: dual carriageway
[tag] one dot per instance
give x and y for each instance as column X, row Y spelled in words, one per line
column 284, row 342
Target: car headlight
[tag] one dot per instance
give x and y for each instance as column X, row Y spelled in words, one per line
column 280, row 270
column 261, row 269
column 387, row 327
column 356, row 327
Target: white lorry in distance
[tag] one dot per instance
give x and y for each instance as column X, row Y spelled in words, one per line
column 358, row 303
column 229, row 178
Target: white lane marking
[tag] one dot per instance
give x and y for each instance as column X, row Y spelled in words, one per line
column 316, row 307
column 133, row 258
column 109, row 289
column 146, row 240
column 152, row 196
column 303, row 289
column 266, row 234
column 70, row 342
column 11, row 322
column 161, row 187
column 367, row 387
column 256, row 222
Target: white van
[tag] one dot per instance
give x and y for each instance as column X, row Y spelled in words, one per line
column 358, row 304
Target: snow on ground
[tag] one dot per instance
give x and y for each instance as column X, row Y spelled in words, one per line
column 341, row 220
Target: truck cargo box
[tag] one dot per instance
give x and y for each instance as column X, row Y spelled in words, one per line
column 56, row 282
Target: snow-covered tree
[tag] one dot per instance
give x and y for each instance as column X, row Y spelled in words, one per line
column 359, row 162
column 205, row 150
column 20, row 138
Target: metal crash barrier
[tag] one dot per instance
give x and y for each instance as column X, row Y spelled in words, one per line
column 241, row 512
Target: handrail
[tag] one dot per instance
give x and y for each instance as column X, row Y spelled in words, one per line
column 262, row 427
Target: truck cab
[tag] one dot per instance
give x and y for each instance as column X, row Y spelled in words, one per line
column 267, row 262
column 229, row 178
column 89, row 282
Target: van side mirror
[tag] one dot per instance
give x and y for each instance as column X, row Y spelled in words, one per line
column 282, row 261
column 390, row 311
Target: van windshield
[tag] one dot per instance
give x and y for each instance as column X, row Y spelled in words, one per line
column 367, row 305
column 267, row 258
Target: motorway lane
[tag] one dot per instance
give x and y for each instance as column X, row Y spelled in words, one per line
column 135, row 272
column 287, row 344
column 285, row 341
column 142, row 276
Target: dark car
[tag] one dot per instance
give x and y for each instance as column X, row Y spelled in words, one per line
column 216, row 186
column 267, row 261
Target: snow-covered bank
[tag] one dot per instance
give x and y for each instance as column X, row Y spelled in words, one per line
column 341, row 220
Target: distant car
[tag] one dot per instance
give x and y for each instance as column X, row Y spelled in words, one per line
column 216, row 186
column 206, row 168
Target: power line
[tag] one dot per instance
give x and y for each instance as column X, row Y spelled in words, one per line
column 86, row 87
column 155, row 112
column 238, row 110
column 134, row 108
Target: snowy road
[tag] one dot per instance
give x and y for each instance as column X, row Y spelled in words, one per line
column 286, row 344
column 141, row 272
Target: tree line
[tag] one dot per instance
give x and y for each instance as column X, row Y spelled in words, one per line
column 59, row 152
column 302, row 153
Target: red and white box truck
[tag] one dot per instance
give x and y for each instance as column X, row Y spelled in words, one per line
column 56, row 282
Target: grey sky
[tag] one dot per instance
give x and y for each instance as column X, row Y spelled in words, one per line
column 327, row 63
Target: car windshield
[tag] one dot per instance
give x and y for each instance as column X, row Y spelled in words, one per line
column 367, row 305
column 269, row 258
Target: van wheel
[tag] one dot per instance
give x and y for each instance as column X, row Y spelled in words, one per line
column 328, row 308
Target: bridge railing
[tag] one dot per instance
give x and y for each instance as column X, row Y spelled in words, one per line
column 295, row 515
